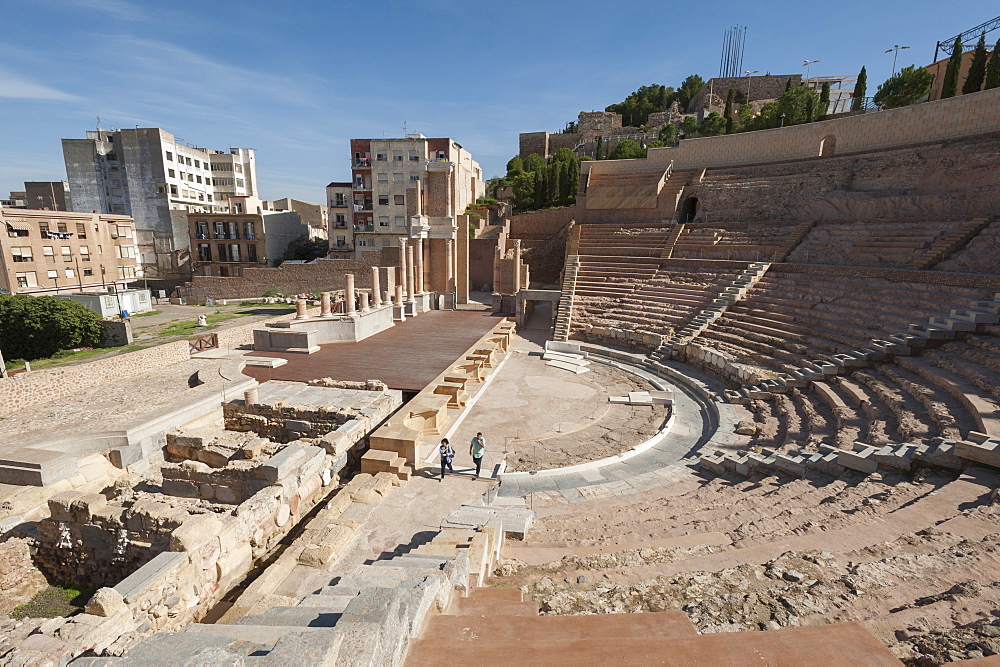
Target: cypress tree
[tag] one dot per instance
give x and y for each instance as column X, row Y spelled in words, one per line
column 860, row 91
column 993, row 69
column 824, row 100
column 574, row 180
column 555, row 172
column 788, row 84
column 600, row 147
column 977, row 68
column 810, row 109
column 950, row 85
column 728, row 112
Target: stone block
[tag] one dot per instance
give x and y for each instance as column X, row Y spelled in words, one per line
column 160, row 568
column 338, row 535
column 285, row 461
column 106, row 602
column 179, row 488
column 60, row 505
column 317, row 647
column 298, row 425
column 122, row 457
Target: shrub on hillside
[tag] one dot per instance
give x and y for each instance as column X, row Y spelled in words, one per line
column 36, row 327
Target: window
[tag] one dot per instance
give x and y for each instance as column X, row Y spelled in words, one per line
column 397, row 178
column 383, row 178
column 48, row 253
column 381, row 157
column 400, row 221
column 173, row 190
column 126, row 272
column 413, row 156
column 231, row 230
column 190, row 178
column 187, row 161
column 81, row 230
column 67, row 254
column 239, row 169
column 84, row 253
column 399, row 200
column 340, row 219
column 239, row 182
column 22, row 254
column 414, row 179
column 397, row 156
column 124, row 231
column 383, row 200
column 125, row 251
column 208, row 181
column 52, row 275
column 170, row 156
column 204, row 252
column 197, row 164
column 362, row 243
column 26, row 279
column 234, row 252
column 248, row 230
column 198, row 179
column 88, row 273
column 17, row 232
column 252, row 252
column 63, row 228
column 201, row 230
column 70, row 273
column 383, row 221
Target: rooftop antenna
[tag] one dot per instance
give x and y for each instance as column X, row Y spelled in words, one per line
column 98, row 122
column 404, row 128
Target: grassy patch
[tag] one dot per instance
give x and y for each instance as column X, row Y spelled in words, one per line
column 190, row 327
column 146, row 314
column 53, row 601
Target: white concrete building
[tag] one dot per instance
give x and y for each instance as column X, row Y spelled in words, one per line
column 147, row 174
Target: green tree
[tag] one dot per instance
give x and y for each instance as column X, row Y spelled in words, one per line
column 304, row 249
column 860, row 91
column 515, row 166
column 977, row 68
column 993, row 69
column 712, row 126
column 541, row 187
column 905, row 87
column 627, row 150
column 788, row 84
column 534, row 162
column 635, row 109
column 689, row 126
column 570, row 128
column 810, row 109
column 950, row 85
column 600, row 149
column 728, row 111
column 554, row 188
column 689, row 88
column 745, row 113
column 523, row 187
column 668, row 134
column 796, row 104
column 36, row 327
column 566, row 182
column 824, row 100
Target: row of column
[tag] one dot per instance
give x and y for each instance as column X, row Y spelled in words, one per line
column 394, row 293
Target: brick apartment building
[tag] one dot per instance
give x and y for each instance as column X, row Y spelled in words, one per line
column 49, row 252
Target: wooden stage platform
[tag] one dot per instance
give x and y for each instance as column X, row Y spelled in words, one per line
column 407, row 356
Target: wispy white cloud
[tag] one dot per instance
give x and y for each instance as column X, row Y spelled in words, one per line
column 14, row 86
column 119, row 9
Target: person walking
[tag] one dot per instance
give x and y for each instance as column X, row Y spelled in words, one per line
column 477, row 448
column 447, row 454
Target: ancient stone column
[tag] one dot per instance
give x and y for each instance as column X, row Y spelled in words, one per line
column 496, row 271
column 409, row 274
column 376, row 288
column 364, row 302
column 250, row 396
column 349, row 294
column 402, row 261
column 420, row 266
column 390, row 281
column 386, row 297
column 449, row 271
column 324, row 305
column 517, row 266
column 300, row 309
column 399, row 294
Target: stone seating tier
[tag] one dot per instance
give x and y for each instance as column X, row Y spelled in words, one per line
column 872, row 243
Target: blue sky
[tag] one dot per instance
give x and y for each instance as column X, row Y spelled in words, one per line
column 296, row 79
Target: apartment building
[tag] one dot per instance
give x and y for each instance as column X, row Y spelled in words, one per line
column 340, row 203
column 150, row 175
column 224, row 244
column 47, row 195
column 313, row 215
column 47, row 252
column 15, row 200
column 383, row 170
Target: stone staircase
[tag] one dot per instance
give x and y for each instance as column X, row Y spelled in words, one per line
column 730, row 295
column 949, row 243
column 978, row 449
column 564, row 314
column 364, row 617
column 668, row 245
column 801, row 231
column 943, row 327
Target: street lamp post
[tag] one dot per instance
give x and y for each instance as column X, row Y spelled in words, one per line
column 806, row 64
column 748, row 73
column 895, row 52
column 782, row 120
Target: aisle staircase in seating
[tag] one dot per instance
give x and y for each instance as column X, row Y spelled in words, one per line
column 730, row 295
column 941, row 327
column 793, row 241
column 949, row 243
column 564, row 314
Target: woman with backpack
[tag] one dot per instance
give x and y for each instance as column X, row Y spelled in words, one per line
column 447, row 454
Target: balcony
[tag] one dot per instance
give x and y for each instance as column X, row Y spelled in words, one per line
column 361, row 187
column 340, row 225
column 364, row 228
column 360, row 208
column 363, row 163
